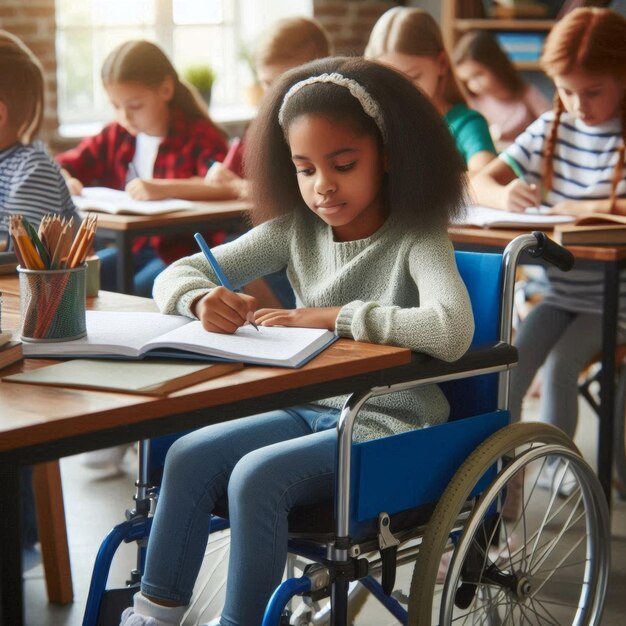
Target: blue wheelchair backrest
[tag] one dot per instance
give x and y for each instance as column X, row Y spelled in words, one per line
column 405, row 470
column 482, row 275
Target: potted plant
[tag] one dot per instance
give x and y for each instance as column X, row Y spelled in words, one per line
column 202, row 78
column 254, row 90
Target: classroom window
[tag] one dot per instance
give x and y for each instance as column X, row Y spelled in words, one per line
column 190, row 32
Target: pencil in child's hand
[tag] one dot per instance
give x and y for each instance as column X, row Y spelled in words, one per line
column 232, row 153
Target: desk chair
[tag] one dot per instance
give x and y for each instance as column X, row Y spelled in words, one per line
column 386, row 513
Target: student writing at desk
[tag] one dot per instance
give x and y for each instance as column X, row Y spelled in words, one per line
column 409, row 40
column 495, row 88
column 162, row 136
column 30, row 182
column 365, row 242
column 286, row 44
column 574, row 155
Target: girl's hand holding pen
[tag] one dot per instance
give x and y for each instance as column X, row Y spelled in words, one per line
column 224, row 311
column 73, row 184
column 519, row 195
column 139, row 189
column 232, row 310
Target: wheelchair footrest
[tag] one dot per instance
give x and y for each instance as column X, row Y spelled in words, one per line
column 114, row 601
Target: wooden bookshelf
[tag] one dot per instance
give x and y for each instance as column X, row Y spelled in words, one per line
column 460, row 16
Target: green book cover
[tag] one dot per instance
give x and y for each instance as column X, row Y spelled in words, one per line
column 148, row 377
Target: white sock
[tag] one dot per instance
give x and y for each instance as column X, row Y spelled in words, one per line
column 165, row 615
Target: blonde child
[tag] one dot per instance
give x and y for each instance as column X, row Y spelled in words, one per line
column 410, row 41
column 161, row 139
column 575, row 155
column 30, row 182
column 337, row 205
column 495, row 88
column 286, row 44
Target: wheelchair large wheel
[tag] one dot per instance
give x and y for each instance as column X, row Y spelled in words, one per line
column 545, row 561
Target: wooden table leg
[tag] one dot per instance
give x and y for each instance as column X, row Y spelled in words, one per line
column 52, row 531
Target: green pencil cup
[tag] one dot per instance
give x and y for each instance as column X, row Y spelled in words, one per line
column 52, row 304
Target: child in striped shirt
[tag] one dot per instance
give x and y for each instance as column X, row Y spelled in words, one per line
column 572, row 159
column 31, row 184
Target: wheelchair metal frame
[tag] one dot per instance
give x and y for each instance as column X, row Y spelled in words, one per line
column 341, row 551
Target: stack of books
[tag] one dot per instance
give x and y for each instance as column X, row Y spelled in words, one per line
column 10, row 351
column 593, row 229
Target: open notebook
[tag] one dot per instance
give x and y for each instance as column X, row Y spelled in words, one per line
column 115, row 201
column 133, row 335
column 495, row 218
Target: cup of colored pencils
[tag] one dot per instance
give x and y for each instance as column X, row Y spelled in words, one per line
column 52, row 276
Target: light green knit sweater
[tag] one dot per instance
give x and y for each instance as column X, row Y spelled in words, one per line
column 398, row 287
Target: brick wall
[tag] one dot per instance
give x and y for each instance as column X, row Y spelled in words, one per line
column 349, row 22
column 33, row 21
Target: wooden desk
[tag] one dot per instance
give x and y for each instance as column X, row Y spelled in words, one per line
column 611, row 259
column 39, row 424
column 124, row 228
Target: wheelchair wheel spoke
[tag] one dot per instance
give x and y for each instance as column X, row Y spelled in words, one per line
column 544, row 563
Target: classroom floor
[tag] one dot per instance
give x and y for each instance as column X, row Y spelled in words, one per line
column 93, row 506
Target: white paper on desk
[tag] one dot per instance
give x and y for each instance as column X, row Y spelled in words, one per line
column 119, row 333
column 115, row 201
column 270, row 345
column 130, row 334
column 486, row 217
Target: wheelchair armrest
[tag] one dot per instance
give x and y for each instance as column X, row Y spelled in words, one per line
column 497, row 354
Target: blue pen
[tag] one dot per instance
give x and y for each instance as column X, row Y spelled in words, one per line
column 221, row 277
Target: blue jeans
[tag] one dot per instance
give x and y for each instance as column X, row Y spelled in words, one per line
column 265, row 464
column 148, row 265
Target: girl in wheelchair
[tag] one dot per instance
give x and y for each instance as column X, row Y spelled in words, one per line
column 355, row 177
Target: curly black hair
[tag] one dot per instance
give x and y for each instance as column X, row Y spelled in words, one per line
column 425, row 182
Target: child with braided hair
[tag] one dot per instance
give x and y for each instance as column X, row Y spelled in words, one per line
column 572, row 159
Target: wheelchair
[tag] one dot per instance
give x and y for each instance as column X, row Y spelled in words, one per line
column 459, row 501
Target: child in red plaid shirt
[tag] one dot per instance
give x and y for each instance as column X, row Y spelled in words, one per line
column 160, row 145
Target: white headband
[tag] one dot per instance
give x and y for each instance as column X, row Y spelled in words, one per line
column 369, row 105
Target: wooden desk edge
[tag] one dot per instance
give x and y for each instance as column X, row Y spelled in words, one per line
column 81, row 411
